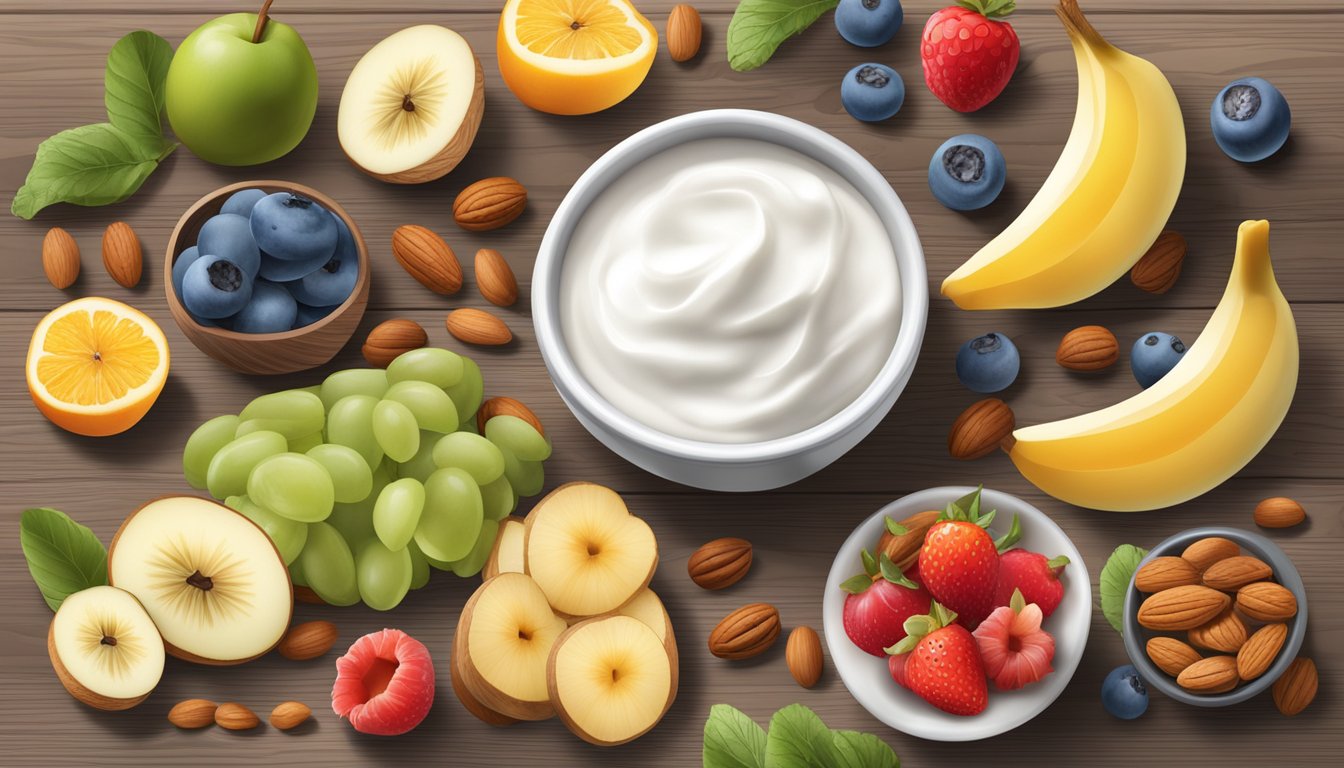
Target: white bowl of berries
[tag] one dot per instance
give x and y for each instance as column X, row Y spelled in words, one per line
column 955, row 614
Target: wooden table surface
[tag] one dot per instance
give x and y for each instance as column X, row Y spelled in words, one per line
column 51, row 73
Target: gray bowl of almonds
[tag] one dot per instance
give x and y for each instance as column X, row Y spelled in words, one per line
column 1213, row 616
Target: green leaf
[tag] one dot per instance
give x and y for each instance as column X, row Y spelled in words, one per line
column 732, row 740
column 863, row 750
column 1010, row 538
column 895, row 528
column 1017, row 602
column 1114, row 582
column 893, row 574
column 137, row 68
column 63, row 556
column 759, row 26
column 91, row 165
column 869, row 562
column 857, row 585
column 798, row 739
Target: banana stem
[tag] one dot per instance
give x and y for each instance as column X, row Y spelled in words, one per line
column 262, row 18
column 1077, row 24
column 1252, row 263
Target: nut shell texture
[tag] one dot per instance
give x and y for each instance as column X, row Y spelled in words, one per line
column 1297, row 687
column 720, row 563
column 489, row 204
column 746, row 632
column 1089, row 348
column 980, row 429
column 427, row 258
column 1158, row 269
column 1182, row 608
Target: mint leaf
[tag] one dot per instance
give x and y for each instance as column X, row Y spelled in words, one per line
column 732, row 740
column 89, row 165
column 1114, row 582
column 798, row 739
column 137, row 69
column 863, row 750
column 759, row 26
column 63, row 556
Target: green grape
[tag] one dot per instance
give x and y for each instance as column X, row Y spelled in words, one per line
column 452, row 516
column 328, row 566
column 480, row 552
column 468, row 392
column 288, row 535
column 351, row 478
column 469, row 426
column 433, row 408
column 516, row 435
column 498, row 499
column 383, row 575
column 315, row 389
column 292, row 485
column 526, row 477
column 421, row 465
column 437, row 366
column 395, row 429
column 350, row 423
column 296, row 576
column 474, row 454
column 306, row 443
column 371, row 382
column 202, row 446
column 291, row 412
column 396, row 513
column 354, row 521
column 419, row 566
column 233, row 463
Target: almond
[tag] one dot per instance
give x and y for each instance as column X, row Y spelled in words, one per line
column 1182, row 608
column 1164, row 573
column 1089, row 348
column 392, row 337
column 193, row 713
column 60, row 258
column 803, row 655
column 1277, row 512
column 427, row 258
column 1171, row 655
column 1297, row 687
column 236, row 717
column 903, row 548
column 1216, row 674
column 980, row 429
column 1260, row 650
column 1234, row 573
column 746, row 632
column 308, row 640
column 1267, row 601
column 121, row 254
column 495, row 279
column 719, row 564
column 476, row 326
column 506, row 406
column 1158, row 269
column 683, row 34
column 289, row 714
column 489, row 204
column 1206, row 552
column 1225, row 633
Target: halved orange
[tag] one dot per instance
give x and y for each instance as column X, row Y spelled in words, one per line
column 95, row 366
column 574, row 57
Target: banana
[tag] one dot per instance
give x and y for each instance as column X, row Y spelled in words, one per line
column 1107, row 198
column 1199, row 424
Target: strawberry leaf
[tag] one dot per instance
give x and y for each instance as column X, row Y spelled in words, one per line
column 942, row 614
column 1010, row 538
column 869, row 562
column 966, row 508
column 895, row 528
column 857, row 585
column 1017, row 602
column 893, row 574
column 987, row 519
column 1057, row 563
column 990, row 9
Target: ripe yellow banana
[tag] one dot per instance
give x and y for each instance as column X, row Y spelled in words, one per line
column 1107, row 198
column 1199, row 424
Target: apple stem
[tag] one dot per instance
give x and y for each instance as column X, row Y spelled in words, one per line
column 261, row 21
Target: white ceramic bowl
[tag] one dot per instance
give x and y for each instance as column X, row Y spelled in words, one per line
column 731, row 466
column 867, row 677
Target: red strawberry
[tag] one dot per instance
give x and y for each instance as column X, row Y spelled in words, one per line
column 896, row 666
column 879, row 602
column 1034, row 575
column 960, row 563
column 944, row 666
column 969, row 56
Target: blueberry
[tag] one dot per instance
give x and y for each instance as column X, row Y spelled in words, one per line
column 293, row 228
column 230, row 236
column 184, row 259
column 988, row 363
column 334, row 281
column 282, row 271
column 1153, row 355
column 271, row 310
column 308, row 315
column 868, row 23
column 241, row 202
column 872, row 92
column 215, row 287
column 967, row 172
column 1123, row 693
column 1250, row 119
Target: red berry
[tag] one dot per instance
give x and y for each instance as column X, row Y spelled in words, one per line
column 968, row 55
column 944, row 666
column 959, row 564
column 1034, row 575
column 874, row 619
column 1014, row 648
column 384, row 683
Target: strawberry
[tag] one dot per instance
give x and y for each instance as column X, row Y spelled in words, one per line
column 896, row 666
column 880, row 600
column 1034, row 575
column 959, row 562
column 1013, row 647
column 943, row 665
column 969, row 56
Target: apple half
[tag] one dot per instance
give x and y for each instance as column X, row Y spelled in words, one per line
column 105, row 648
column 470, row 702
column 507, row 555
column 412, row 105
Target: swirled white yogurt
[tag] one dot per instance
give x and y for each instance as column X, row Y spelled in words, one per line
column 730, row 291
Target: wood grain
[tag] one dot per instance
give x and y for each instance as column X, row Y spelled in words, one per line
column 51, row 65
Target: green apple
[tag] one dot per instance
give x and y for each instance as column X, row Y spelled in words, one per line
column 242, row 92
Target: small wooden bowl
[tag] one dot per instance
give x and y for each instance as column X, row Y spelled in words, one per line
column 267, row 353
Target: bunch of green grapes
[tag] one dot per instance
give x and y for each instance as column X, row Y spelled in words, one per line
column 371, row 478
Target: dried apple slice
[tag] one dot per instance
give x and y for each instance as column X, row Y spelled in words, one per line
column 507, row 556
column 105, row 648
column 504, row 637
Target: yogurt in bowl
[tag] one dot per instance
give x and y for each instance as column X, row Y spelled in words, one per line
column 730, row 299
